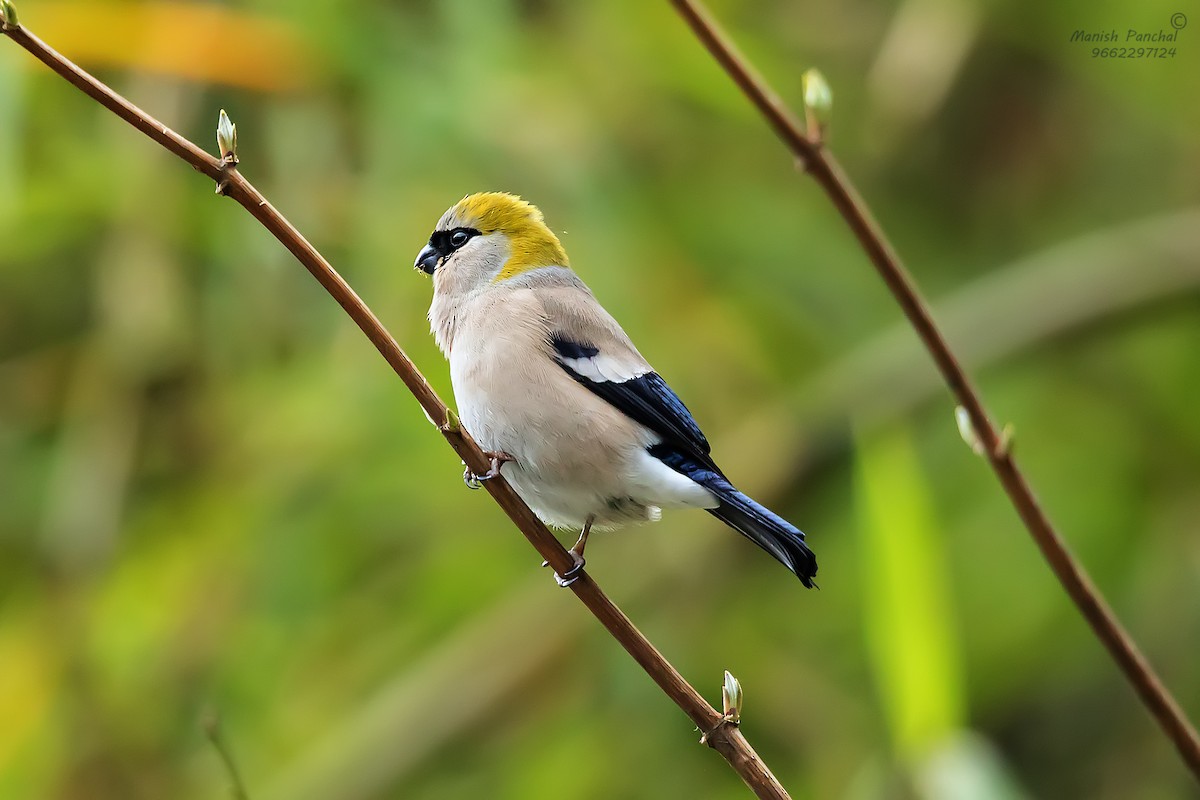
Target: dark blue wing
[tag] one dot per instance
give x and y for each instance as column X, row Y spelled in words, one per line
column 645, row 398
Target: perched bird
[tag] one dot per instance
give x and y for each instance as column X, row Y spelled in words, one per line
column 548, row 383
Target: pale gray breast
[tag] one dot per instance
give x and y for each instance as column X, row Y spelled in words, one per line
column 499, row 368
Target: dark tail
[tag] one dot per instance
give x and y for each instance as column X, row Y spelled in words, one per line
column 756, row 522
column 766, row 529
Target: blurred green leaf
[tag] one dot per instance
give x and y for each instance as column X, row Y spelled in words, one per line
column 907, row 599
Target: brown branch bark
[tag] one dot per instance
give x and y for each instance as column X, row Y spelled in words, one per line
column 726, row 739
column 819, row 163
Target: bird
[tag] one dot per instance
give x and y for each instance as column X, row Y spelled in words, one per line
column 547, row 382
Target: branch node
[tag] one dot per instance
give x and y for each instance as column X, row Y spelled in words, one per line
column 731, row 703
column 1005, row 444
column 724, row 722
column 227, row 144
column 452, row 424
column 225, row 176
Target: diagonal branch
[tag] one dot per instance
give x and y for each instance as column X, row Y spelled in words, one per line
column 819, row 163
column 725, row 738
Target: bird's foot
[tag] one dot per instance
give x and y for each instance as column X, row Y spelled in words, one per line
column 496, row 459
column 576, row 551
column 571, row 575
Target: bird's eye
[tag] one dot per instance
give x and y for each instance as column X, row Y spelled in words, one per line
column 459, row 238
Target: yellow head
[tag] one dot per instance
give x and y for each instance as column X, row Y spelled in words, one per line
column 490, row 236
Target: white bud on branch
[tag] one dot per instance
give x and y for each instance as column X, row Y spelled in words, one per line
column 818, row 104
column 226, row 137
column 8, row 15
column 731, row 698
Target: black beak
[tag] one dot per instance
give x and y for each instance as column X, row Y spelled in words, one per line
column 427, row 259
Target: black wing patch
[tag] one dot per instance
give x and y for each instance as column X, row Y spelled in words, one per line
column 646, row 399
column 572, row 350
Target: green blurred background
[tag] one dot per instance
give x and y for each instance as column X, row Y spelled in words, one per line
column 214, row 495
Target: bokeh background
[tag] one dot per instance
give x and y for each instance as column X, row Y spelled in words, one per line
column 215, row 497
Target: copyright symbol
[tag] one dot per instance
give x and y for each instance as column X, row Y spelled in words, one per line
column 1178, row 20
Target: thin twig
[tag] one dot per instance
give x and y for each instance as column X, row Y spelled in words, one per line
column 216, row 735
column 819, row 163
column 725, row 739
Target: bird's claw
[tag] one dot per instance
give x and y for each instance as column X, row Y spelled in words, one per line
column 576, row 551
column 571, row 575
column 471, row 479
column 496, row 460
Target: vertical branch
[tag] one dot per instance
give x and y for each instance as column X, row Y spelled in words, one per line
column 819, row 163
column 719, row 732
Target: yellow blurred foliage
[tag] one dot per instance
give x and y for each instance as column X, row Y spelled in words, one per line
column 204, row 43
column 26, row 677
